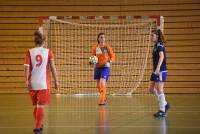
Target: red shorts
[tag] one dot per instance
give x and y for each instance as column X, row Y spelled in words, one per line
column 40, row 97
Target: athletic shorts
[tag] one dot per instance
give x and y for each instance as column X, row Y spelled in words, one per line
column 102, row 73
column 162, row 77
column 41, row 97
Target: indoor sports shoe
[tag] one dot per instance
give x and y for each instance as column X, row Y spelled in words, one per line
column 160, row 114
column 37, row 131
column 167, row 107
column 102, row 102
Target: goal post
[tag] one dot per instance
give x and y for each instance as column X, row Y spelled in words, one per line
column 72, row 37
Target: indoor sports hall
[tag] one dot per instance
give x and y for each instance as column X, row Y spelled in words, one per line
column 68, row 30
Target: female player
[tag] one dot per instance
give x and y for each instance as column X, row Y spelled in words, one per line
column 37, row 62
column 159, row 74
column 105, row 57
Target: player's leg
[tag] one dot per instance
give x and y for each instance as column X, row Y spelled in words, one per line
column 98, row 85
column 161, row 100
column 97, row 76
column 102, row 98
column 39, row 119
column 161, row 96
column 99, row 90
column 34, row 111
column 154, row 78
column 34, row 97
column 43, row 98
column 105, row 72
column 162, row 79
column 152, row 88
column 163, row 105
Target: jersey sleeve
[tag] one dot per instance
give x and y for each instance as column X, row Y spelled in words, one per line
column 94, row 51
column 50, row 56
column 160, row 48
column 111, row 53
column 27, row 59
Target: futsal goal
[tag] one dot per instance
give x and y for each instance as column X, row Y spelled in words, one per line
column 72, row 37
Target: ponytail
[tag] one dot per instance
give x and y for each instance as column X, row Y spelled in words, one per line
column 39, row 38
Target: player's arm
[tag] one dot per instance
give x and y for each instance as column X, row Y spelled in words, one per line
column 54, row 73
column 93, row 51
column 27, row 70
column 111, row 54
column 53, row 69
column 26, row 76
column 161, row 58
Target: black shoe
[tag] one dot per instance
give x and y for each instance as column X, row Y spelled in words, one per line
column 160, row 114
column 167, row 107
column 37, row 131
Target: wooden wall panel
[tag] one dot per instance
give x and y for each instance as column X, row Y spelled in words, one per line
column 19, row 19
column 96, row 2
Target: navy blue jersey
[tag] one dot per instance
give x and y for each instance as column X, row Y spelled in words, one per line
column 158, row 48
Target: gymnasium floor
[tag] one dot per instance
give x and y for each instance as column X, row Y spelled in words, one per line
column 82, row 115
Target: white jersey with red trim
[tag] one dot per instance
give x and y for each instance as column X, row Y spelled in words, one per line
column 38, row 60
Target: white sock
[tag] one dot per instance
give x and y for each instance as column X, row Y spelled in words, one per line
column 162, row 101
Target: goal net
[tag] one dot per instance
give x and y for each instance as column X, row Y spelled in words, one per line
column 71, row 40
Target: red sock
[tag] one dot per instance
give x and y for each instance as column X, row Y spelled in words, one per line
column 104, row 93
column 39, row 117
column 102, row 96
column 34, row 112
column 99, row 89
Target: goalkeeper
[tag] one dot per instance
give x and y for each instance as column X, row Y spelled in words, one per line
column 105, row 56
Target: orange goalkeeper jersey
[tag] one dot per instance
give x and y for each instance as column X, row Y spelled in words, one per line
column 104, row 54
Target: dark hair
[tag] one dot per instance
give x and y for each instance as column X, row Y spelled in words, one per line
column 39, row 38
column 159, row 33
column 99, row 36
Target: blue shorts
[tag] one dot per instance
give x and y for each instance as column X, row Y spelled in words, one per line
column 162, row 77
column 101, row 73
